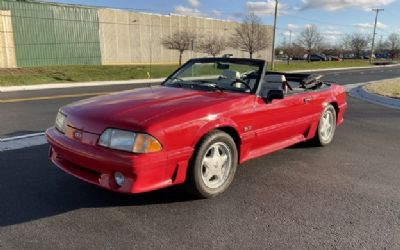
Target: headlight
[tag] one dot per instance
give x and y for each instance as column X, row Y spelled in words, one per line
column 129, row 141
column 61, row 122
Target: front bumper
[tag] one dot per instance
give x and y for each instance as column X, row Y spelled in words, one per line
column 97, row 165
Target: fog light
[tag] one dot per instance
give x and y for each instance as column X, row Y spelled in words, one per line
column 119, row 178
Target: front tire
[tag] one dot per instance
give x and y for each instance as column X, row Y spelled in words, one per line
column 326, row 127
column 213, row 165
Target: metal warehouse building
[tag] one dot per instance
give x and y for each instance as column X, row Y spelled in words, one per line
column 40, row 34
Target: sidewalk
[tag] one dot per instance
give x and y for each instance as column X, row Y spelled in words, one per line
column 137, row 81
column 340, row 69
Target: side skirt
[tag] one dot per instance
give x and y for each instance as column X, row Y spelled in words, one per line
column 274, row 147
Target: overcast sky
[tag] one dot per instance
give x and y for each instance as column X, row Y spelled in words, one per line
column 334, row 18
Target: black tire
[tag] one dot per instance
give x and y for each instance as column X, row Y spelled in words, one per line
column 320, row 138
column 195, row 182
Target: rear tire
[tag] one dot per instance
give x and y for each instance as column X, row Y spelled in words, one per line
column 213, row 165
column 326, row 127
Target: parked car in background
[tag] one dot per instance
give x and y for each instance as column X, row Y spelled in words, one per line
column 382, row 55
column 335, row 58
column 361, row 57
column 348, row 56
column 206, row 118
column 317, row 58
column 298, row 58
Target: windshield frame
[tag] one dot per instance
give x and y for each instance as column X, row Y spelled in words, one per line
column 261, row 64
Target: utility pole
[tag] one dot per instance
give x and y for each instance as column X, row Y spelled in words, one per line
column 373, row 36
column 273, row 38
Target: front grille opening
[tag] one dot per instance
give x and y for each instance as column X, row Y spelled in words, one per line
column 85, row 173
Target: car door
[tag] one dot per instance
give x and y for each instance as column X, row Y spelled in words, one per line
column 277, row 121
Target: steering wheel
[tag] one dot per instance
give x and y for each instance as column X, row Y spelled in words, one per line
column 242, row 82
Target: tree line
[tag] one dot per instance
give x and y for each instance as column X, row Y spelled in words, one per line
column 250, row 36
column 354, row 45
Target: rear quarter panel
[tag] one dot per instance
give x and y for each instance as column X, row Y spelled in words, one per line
column 334, row 95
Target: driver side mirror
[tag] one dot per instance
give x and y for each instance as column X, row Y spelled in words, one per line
column 272, row 94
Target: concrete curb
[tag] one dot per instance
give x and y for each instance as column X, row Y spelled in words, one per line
column 137, row 81
column 351, row 68
column 360, row 93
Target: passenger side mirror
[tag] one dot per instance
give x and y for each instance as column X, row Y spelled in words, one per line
column 272, row 94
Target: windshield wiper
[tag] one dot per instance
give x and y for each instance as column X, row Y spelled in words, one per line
column 182, row 84
column 179, row 83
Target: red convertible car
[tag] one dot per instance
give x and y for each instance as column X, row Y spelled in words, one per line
column 205, row 119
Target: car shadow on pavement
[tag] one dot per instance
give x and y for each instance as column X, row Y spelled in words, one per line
column 306, row 144
column 31, row 188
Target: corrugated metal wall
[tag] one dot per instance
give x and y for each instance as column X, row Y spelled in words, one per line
column 47, row 34
column 135, row 38
column 7, row 49
column 56, row 34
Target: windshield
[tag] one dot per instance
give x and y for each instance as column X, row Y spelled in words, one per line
column 218, row 75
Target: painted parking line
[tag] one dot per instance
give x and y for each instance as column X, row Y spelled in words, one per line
column 55, row 97
column 20, row 142
column 21, row 137
column 350, row 87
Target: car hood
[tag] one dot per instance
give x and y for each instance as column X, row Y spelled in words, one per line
column 137, row 109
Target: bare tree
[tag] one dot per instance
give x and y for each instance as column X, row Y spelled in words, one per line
column 212, row 45
column 297, row 50
column 333, row 50
column 381, row 45
column 357, row 42
column 310, row 38
column 251, row 36
column 393, row 44
column 180, row 41
column 288, row 49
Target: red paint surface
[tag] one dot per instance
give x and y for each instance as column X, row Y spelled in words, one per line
column 178, row 118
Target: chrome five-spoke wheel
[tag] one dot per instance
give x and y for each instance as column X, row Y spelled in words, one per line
column 216, row 165
column 327, row 126
column 213, row 165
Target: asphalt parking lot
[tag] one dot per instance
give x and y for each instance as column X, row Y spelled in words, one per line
column 344, row 196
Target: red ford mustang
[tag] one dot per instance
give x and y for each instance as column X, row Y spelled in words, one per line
column 205, row 119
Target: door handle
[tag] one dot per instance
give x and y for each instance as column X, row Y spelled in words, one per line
column 307, row 99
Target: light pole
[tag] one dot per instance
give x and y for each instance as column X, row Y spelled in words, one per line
column 273, row 37
column 373, row 36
